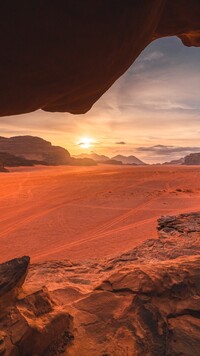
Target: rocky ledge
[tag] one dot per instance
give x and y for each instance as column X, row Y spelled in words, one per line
column 144, row 302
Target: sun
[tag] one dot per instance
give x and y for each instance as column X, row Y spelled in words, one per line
column 86, row 142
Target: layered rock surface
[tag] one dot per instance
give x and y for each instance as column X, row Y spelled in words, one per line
column 63, row 56
column 144, row 302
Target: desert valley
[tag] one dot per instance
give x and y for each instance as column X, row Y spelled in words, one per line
column 65, row 212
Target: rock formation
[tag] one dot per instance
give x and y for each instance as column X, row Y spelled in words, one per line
column 96, row 157
column 113, row 162
column 30, row 322
column 192, row 159
column 176, row 162
column 2, row 168
column 132, row 160
column 63, row 56
column 9, row 160
column 144, row 302
column 34, row 148
column 30, row 150
column 82, row 162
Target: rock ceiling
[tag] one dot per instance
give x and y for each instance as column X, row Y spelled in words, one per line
column 62, row 56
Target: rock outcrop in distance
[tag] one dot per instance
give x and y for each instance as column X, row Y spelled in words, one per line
column 132, row 160
column 2, row 167
column 113, row 162
column 34, row 148
column 119, row 159
column 143, row 302
column 96, row 157
column 192, row 159
column 175, row 162
column 65, row 55
column 30, row 150
column 9, row 160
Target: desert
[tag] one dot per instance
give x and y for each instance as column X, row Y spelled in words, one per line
column 99, row 178
column 89, row 212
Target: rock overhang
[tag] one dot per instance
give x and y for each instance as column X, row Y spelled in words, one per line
column 62, row 57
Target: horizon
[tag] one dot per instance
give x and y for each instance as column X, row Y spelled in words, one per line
column 86, row 151
column 151, row 112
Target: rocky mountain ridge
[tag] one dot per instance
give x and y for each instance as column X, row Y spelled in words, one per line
column 31, row 150
column 119, row 159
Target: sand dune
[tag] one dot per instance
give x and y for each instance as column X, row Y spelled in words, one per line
column 84, row 212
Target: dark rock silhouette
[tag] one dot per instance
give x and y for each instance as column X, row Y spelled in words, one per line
column 30, row 150
column 34, row 148
column 2, row 168
column 192, row 159
column 10, row 160
column 63, row 56
column 12, row 276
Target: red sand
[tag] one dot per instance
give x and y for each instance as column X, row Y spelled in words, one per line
column 83, row 212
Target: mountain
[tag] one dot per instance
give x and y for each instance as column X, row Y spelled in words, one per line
column 175, row 162
column 94, row 156
column 119, row 159
column 9, row 160
column 37, row 151
column 192, row 159
column 35, row 148
column 129, row 160
column 82, row 162
column 113, row 162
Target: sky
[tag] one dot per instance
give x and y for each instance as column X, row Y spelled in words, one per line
column 152, row 111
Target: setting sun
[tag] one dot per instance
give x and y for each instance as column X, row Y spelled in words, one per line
column 85, row 142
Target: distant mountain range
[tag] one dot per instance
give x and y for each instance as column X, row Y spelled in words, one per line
column 175, row 162
column 119, row 159
column 31, row 150
column 129, row 160
column 193, row 159
column 94, row 156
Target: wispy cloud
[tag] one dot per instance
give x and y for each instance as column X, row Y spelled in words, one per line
column 120, row 143
column 167, row 150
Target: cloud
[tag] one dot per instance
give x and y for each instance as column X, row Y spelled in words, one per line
column 167, row 150
column 120, row 143
column 152, row 56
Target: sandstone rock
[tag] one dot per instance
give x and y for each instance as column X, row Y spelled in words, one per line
column 30, row 322
column 10, row 160
column 65, row 55
column 192, row 159
column 12, row 276
column 34, row 149
column 144, row 302
column 30, row 150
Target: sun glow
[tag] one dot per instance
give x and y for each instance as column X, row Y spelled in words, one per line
column 85, row 142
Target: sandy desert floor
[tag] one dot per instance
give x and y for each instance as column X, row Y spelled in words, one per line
column 85, row 212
